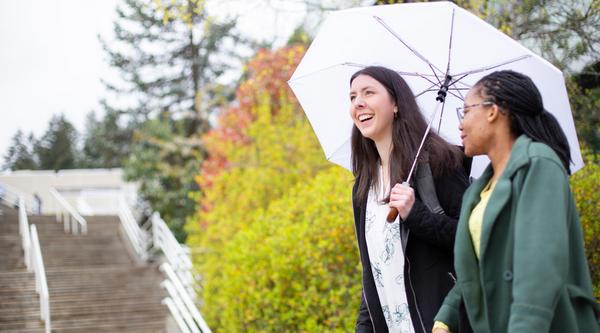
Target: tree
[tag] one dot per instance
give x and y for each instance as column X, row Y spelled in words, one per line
column 168, row 165
column 57, row 149
column 172, row 67
column 584, row 90
column 106, row 142
column 20, row 153
column 267, row 194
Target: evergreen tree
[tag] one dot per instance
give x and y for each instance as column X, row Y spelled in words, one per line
column 57, row 149
column 20, row 153
column 106, row 141
column 171, row 65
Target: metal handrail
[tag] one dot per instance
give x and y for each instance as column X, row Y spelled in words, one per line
column 176, row 315
column 72, row 217
column 182, row 301
column 180, row 306
column 41, row 286
column 175, row 253
column 12, row 197
column 138, row 237
column 24, row 232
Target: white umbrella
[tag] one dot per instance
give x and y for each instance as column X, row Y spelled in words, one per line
column 428, row 44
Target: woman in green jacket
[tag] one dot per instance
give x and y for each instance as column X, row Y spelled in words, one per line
column 519, row 254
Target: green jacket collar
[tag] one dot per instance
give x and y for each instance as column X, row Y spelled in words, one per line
column 500, row 197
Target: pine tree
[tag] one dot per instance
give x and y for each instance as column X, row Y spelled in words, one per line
column 20, row 153
column 57, row 148
column 171, row 65
column 106, row 142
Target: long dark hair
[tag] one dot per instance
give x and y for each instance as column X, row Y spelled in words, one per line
column 408, row 128
column 516, row 94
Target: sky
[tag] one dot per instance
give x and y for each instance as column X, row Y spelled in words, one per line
column 51, row 61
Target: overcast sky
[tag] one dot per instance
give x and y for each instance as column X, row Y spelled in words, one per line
column 51, row 61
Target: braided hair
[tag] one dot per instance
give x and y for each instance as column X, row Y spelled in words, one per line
column 517, row 95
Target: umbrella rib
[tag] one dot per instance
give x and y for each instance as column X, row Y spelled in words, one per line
column 450, row 44
column 432, row 90
column 426, row 90
column 482, row 69
column 432, row 66
column 311, row 73
column 458, row 80
column 353, row 64
column 421, row 75
column 459, row 97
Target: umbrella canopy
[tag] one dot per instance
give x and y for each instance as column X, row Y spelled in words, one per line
column 428, row 44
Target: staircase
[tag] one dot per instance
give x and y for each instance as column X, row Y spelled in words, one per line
column 94, row 284
column 19, row 302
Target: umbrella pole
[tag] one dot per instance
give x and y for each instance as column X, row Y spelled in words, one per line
column 441, row 98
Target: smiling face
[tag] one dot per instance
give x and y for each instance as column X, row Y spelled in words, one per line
column 475, row 128
column 371, row 108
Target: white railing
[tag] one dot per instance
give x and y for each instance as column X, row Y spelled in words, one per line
column 41, row 286
column 34, row 261
column 12, row 197
column 24, row 232
column 180, row 303
column 73, row 222
column 176, row 254
column 180, row 279
column 138, row 238
column 175, row 313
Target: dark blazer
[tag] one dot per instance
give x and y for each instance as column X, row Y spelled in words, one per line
column 428, row 239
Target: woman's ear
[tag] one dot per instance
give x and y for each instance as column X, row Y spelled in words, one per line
column 493, row 113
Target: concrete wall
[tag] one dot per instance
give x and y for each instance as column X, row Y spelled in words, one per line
column 91, row 191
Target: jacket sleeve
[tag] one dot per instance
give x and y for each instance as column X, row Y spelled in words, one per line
column 439, row 229
column 363, row 322
column 540, row 259
column 449, row 311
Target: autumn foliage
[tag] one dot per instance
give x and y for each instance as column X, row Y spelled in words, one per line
column 273, row 237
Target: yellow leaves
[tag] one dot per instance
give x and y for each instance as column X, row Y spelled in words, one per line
column 276, row 223
column 184, row 10
column 586, row 190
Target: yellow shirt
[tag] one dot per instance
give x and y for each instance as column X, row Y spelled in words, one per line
column 476, row 219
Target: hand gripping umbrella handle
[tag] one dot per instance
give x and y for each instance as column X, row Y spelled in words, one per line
column 393, row 214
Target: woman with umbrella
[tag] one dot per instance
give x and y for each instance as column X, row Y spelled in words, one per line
column 407, row 264
column 519, row 254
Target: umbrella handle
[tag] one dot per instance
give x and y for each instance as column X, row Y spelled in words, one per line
column 393, row 213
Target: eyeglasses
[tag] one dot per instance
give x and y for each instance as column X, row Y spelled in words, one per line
column 460, row 111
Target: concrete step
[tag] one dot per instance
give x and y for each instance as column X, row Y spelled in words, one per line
column 21, row 326
column 94, row 283
column 130, row 324
column 9, row 228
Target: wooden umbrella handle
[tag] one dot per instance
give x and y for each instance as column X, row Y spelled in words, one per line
column 392, row 215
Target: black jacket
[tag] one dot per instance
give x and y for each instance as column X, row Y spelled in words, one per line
column 428, row 269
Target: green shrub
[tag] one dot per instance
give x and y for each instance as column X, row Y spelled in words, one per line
column 585, row 184
column 295, row 268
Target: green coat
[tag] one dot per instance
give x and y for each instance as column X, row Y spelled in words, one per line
column 532, row 275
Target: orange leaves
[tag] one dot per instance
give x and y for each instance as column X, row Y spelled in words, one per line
column 267, row 75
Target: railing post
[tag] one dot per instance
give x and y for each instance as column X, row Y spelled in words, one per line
column 41, row 286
